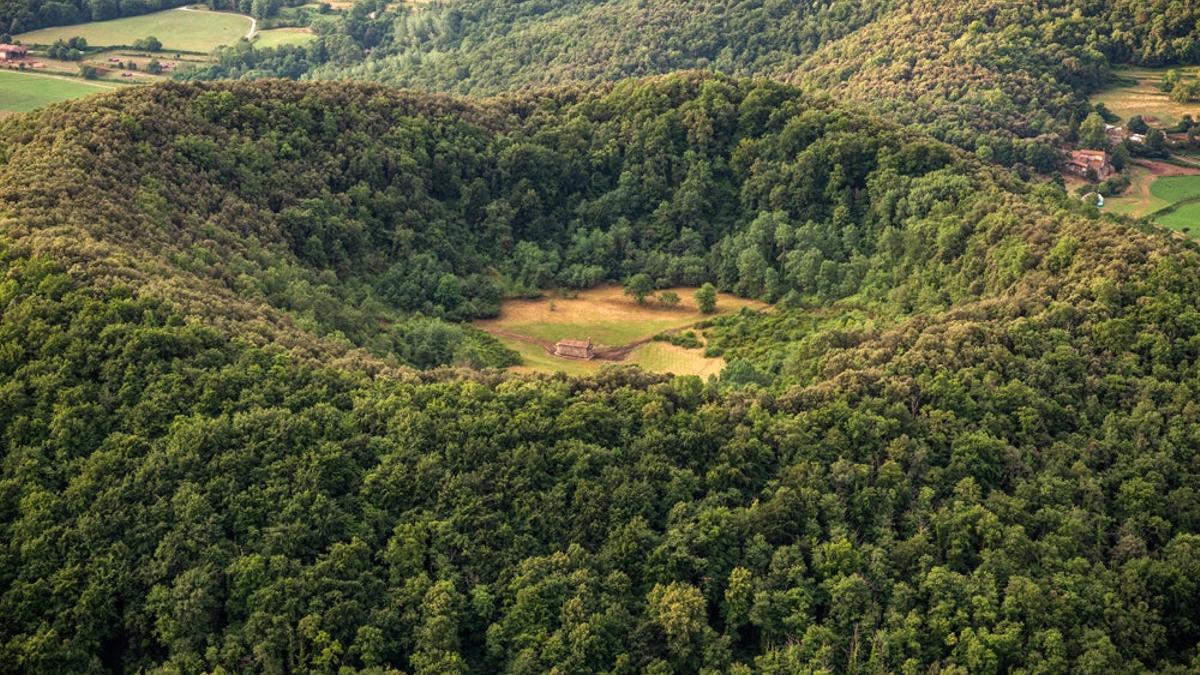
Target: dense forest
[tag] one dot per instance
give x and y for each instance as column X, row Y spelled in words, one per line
column 1016, row 71
column 963, row 439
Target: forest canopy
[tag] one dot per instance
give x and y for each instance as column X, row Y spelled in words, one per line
column 963, row 439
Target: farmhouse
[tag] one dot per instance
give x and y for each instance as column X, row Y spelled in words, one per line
column 1081, row 162
column 13, row 52
column 575, row 349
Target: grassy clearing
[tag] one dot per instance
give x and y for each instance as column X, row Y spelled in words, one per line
column 610, row 318
column 1143, row 97
column 177, row 29
column 1138, row 200
column 1172, row 189
column 1176, row 189
column 276, row 37
column 22, row 92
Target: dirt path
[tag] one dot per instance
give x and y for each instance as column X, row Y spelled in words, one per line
column 253, row 21
column 1166, row 169
column 603, row 353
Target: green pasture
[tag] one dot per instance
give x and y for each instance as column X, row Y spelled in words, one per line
column 177, row 29
column 22, row 92
column 277, row 37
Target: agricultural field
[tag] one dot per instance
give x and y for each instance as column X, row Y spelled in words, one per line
column 1138, row 200
column 611, row 320
column 1183, row 193
column 22, row 92
column 1152, row 195
column 276, row 37
column 184, row 29
column 1138, row 94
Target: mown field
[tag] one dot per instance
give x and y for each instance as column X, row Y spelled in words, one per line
column 1140, row 95
column 177, row 29
column 22, row 92
column 1183, row 190
column 276, row 37
column 1138, row 200
column 610, row 319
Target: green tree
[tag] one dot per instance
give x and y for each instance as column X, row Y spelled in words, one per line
column 150, row 44
column 1091, row 132
column 669, row 299
column 1170, row 80
column 1185, row 92
column 639, row 286
column 706, row 298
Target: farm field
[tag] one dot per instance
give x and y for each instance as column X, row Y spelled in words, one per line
column 276, row 37
column 183, row 29
column 1143, row 97
column 1176, row 189
column 22, row 92
column 610, row 319
column 1138, row 200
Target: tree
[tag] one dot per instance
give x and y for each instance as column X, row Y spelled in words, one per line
column 1170, row 80
column 706, row 298
column 669, row 298
column 1091, row 132
column 154, row 67
column 1156, row 143
column 679, row 610
column 1137, row 125
column 88, row 72
column 1185, row 92
column 150, row 44
column 638, row 287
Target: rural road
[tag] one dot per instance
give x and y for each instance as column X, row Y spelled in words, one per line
column 253, row 21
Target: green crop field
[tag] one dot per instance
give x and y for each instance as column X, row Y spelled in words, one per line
column 1138, row 200
column 1173, row 190
column 181, row 29
column 21, row 92
column 283, row 36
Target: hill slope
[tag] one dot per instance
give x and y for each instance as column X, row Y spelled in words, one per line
column 957, row 68
column 964, row 440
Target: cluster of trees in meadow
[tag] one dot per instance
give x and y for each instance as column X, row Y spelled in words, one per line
column 963, row 440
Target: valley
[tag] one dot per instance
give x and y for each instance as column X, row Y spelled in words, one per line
column 611, row 338
column 615, row 323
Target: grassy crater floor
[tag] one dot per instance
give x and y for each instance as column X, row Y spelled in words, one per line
column 610, row 319
column 186, row 29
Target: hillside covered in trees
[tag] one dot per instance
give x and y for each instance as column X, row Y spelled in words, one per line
column 1014, row 70
column 244, row 429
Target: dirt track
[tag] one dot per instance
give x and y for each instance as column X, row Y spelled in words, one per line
column 1165, row 169
column 603, row 353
